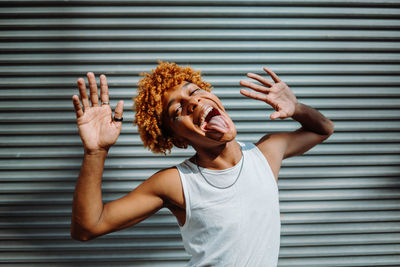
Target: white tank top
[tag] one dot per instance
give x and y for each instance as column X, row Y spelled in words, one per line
column 235, row 226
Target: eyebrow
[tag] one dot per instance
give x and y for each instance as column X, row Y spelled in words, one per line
column 172, row 101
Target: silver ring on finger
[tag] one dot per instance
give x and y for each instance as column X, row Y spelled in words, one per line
column 105, row 103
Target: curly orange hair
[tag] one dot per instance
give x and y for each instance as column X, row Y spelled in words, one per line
column 149, row 107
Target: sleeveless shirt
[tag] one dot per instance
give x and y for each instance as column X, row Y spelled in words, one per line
column 235, row 226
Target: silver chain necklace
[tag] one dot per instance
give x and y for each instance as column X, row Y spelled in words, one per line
column 220, row 187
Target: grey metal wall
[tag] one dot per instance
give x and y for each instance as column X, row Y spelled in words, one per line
column 340, row 202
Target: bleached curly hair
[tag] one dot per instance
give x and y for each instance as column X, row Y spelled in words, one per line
column 149, row 106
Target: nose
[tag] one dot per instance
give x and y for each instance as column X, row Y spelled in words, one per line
column 192, row 104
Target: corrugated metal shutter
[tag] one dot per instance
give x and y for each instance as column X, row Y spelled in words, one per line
column 340, row 202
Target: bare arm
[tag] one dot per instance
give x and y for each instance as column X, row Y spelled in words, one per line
column 312, row 120
column 145, row 200
column 276, row 147
column 88, row 203
column 99, row 131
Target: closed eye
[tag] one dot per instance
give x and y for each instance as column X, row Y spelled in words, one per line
column 177, row 112
column 178, row 109
column 194, row 91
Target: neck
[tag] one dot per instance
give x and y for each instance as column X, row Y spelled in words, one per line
column 218, row 157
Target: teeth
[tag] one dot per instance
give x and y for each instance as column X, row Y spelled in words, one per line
column 203, row 117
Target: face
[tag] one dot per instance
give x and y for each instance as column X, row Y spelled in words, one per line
column 196, row 117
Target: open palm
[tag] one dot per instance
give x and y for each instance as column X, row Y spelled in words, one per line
column 277, row 94
column 97, row 128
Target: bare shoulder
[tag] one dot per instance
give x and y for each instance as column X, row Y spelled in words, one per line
column 165, row 177
column 167, row 184
column 273, row 147
column 273, row 144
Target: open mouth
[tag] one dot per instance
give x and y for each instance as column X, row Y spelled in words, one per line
column 213, row 120
column 212, row 113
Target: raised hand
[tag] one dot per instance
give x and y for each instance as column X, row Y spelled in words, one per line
column 277, row 94
column 97, row 127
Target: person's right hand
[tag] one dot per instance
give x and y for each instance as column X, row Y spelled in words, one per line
column 97, row 128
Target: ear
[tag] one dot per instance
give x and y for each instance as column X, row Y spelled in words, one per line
column 179, row 142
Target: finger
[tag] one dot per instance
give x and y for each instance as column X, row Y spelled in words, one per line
column 83, row 93
column 273, row 75
column 262, row 80
column 77, row 106
column 94, row 96
column 104, row 89
column 255, row 87
column 119, row 110
column 256, row 96
column 275, row 115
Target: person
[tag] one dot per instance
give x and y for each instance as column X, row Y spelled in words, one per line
column 225, row 197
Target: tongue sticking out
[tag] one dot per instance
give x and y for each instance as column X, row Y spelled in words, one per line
column 217, row 123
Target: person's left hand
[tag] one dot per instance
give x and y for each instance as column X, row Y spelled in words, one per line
column 276, row 94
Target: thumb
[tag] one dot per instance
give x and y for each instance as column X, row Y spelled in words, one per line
column 275, row 115
column 119, row 110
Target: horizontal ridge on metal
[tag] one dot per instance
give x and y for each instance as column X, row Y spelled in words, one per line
column 340, row 201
